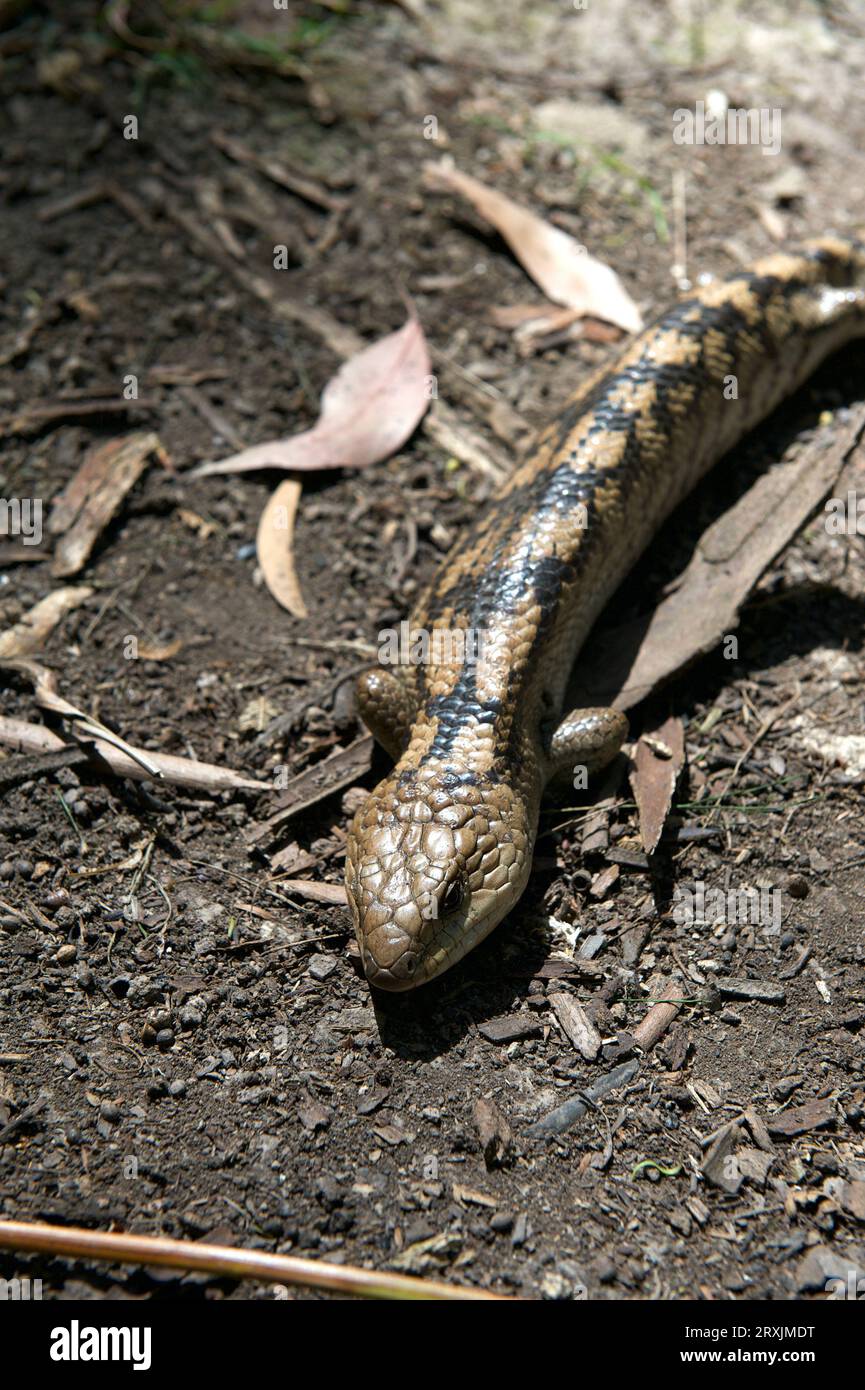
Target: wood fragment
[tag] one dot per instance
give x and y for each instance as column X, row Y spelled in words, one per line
column 316, row 892
column 576, row 1025
column 511, row 1028
column 495, row 1135
column 37, row 416
column 738, row 987
column 801, row 1119
column 654, row 1024
column 181, row 772
column 94, row 496
column 719, row 1167
column 626, row 664
column 332, row 774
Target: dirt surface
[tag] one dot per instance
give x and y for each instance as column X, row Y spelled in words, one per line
column 188, row 1047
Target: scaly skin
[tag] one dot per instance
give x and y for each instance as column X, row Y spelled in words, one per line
column 441, row 850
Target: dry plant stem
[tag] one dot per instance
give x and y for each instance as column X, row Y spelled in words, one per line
column 70, row 1242
column 181, row 772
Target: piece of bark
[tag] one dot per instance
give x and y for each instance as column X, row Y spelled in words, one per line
column 561, row 1119
column 759, row 1130
column 737, row 987
column 850, row 1197
column 596, row 831
column 626, row 664
column 604, row 881
column 558, row 969
column 577, row 1026
column 332, row 774
column 754, row 1164
column 657, row 765
column 314, row 891
column 94, row 496
column 510, row 1028
column 801, row 1119
column 35, row 417
column 495, row 1135
column 719, row 1167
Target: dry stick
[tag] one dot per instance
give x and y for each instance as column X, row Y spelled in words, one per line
column 71, row 1242
column 655, row 1023
column 182, row 772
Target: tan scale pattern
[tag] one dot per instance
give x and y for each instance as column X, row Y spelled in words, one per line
column 441, row 850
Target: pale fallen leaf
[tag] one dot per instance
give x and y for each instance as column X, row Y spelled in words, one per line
column 368, row 411
column 30, row 633
column 556, row 262
column 275, row 542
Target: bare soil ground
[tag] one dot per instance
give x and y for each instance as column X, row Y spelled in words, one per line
column 187, row 1048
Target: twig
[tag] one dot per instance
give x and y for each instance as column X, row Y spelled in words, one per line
column 72, row 1242
column 181, row 772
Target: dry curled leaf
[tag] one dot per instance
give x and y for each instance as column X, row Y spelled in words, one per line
column 159, row 651
column 560, row 265
column 368, row 411
column 275, row 542
column 31, row 632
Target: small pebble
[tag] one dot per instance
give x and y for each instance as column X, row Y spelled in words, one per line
column 320, row 967
column 66, row 955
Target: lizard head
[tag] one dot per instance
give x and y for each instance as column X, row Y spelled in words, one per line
column 437, row 856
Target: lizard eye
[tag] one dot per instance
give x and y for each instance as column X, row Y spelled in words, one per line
column 454, row 895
